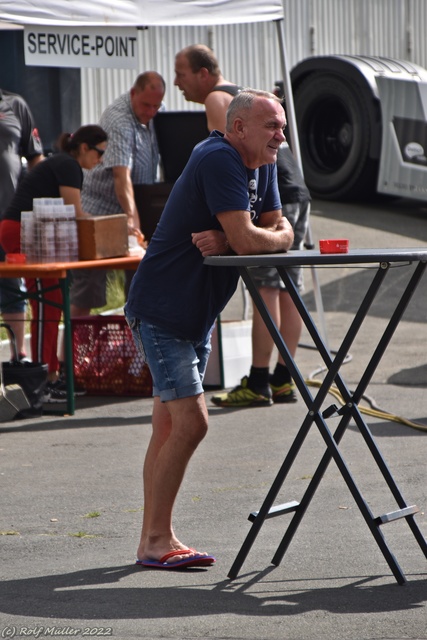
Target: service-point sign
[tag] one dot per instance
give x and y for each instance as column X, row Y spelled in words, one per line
column 93, row 47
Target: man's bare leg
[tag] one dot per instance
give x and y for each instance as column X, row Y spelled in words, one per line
column 286, row 317
column 178, row 428
column 262, row 342
column 290, row 323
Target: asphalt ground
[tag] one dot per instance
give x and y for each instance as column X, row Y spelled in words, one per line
column 70, row 505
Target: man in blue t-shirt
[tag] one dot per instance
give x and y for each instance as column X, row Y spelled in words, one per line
column 225, row 200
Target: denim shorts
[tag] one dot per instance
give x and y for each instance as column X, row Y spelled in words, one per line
column 269, row 277
column 177, row 366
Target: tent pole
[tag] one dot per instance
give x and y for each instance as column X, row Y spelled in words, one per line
column 294, row 144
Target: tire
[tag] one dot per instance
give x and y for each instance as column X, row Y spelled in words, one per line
column 335, row 120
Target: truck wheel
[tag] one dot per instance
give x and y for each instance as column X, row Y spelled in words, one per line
column 335, row 129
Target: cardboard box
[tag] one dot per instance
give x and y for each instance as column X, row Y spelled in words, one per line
column 102, row 237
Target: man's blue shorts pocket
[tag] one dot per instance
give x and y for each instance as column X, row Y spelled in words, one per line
column 133, row 324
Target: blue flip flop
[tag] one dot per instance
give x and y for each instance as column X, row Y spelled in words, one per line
column 196, row 560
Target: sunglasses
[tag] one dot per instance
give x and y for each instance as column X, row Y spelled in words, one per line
column 94, row 148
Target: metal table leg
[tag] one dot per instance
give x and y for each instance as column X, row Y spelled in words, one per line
column 350, row 410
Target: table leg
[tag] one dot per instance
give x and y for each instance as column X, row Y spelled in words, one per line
column 68, row 347
column 349, row 410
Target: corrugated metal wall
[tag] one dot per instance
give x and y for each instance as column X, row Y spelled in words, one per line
column 249, row 54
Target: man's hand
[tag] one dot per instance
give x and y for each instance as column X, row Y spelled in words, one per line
column 211, row 242
column 140, row 237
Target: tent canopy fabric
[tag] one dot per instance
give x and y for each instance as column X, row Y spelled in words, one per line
column 138, row 12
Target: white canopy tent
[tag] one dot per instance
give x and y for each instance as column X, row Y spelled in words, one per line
column 145, row 13
column 125, row 13
column 122, row 13
column 138, row 12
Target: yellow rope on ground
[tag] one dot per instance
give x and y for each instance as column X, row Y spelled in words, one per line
column 376, row 413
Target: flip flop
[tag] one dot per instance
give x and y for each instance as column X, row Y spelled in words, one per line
column 197, row 560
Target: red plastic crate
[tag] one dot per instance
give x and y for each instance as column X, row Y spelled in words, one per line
column 106, row 361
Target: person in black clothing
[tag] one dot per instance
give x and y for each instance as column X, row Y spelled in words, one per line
column 19, row 139
column 59, row 176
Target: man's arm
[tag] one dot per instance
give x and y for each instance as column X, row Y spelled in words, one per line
column 30, row 144
column 211, row 242
column 245, row 238
column 241, row 236
column 125, row 195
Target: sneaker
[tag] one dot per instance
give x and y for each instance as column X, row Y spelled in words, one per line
column 242, row 396
column 79, row 390
column 57, row 392
column 284, row 392
column 22, row 357
column 53, row 393
column 62, row 385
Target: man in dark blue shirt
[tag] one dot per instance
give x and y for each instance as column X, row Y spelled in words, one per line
column 225, row 200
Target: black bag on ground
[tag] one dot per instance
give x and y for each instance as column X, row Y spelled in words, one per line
column 31, row 376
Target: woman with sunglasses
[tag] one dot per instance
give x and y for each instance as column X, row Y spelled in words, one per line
column 59, row 176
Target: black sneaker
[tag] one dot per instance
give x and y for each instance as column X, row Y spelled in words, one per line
column 53, row 393
column 62, row 384
column 57, row 392
column 22, row 357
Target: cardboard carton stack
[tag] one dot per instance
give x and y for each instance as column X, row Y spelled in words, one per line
column 49, row 232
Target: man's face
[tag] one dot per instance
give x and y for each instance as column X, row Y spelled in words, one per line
column 187, row 81
column 263, row 132
column 146, row 103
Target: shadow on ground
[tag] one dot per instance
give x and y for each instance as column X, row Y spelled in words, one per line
column 80, row 594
